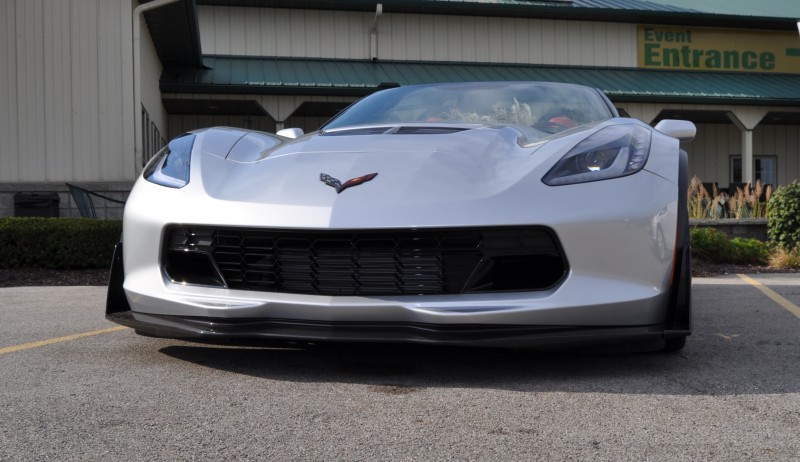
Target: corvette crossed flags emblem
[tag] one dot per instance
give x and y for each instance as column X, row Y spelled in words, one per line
column 339, row 186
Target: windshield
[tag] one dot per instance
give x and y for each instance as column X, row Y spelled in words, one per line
column 546, row 107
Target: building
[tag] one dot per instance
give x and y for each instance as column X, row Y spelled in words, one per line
column 94, row 88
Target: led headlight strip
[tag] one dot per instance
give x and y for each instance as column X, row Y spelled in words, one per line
column 611, row 152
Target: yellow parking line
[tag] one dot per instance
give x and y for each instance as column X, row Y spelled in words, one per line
column 791, row 307
column 50, row 341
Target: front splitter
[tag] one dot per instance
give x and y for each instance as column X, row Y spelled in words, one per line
column 222, row 331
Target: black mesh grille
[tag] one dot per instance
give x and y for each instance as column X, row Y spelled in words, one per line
column 391, row 262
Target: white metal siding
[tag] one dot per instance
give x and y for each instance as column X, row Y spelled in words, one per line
column 710, row 152
column 180, row 123
column 715, row 144
column 345, row 35
column 151, row 93
column 65, row 90
column 279, row 108
column 283, row 32
column 9, row 158
column 782, row 141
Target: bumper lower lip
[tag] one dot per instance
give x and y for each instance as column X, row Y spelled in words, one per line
column 212, row 330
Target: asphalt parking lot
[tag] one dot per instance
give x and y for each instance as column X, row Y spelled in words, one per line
column 75, row 387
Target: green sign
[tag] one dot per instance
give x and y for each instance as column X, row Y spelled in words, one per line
column 718, row 50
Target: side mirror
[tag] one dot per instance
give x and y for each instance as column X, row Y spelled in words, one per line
column 681, row 129
column 290, row 132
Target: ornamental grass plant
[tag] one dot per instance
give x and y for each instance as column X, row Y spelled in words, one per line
column 746, row 202
column 781, row 207
column 785, row 259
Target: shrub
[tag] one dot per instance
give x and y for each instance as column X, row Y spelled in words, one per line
column 749, row 251
column 713, row 245
column 783, row 227
column 785, row 259
column 57, row 242
column 709, row 244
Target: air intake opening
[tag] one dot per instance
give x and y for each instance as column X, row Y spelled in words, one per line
column 519, row 273
column 191, row 267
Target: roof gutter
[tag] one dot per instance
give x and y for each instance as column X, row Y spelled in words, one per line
column 373, row 33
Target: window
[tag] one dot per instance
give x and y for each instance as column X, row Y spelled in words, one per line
column 152, row 142
column 766, row 169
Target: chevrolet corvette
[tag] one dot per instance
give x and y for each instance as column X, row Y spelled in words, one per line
column 508, row 214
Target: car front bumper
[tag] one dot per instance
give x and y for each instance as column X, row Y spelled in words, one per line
column 617, row 285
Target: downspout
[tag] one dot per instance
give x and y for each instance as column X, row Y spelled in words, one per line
column 138, row 13
column 373, row 33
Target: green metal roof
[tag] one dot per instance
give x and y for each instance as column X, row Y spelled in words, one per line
column 762, row 8
column 237, row 75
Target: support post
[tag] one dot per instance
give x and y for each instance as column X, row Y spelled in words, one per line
column 748, row 175
column 746, row 120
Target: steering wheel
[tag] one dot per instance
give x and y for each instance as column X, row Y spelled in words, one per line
column 555, row 124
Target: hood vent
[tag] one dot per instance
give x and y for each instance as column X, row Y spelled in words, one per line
column 358, row 131
column 397, row 130
column 428, row 130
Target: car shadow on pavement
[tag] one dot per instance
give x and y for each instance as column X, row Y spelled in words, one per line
column 628, row 369
column 403, row 365
column 742, row 343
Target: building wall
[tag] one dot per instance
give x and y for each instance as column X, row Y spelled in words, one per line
column 278, row 107
column 782, row 141
column 65, row 90
column 712, row 148
column 345, row 35
column 151, row 97
column 182, row 123
column 66, row 83
column 710, row 151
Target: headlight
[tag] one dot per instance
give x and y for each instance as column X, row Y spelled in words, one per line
column 612, row 152
column 170, row 167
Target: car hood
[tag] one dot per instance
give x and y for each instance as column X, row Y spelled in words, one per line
column 462, row 165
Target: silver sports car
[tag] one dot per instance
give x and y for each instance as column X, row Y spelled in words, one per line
column 489, row 214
